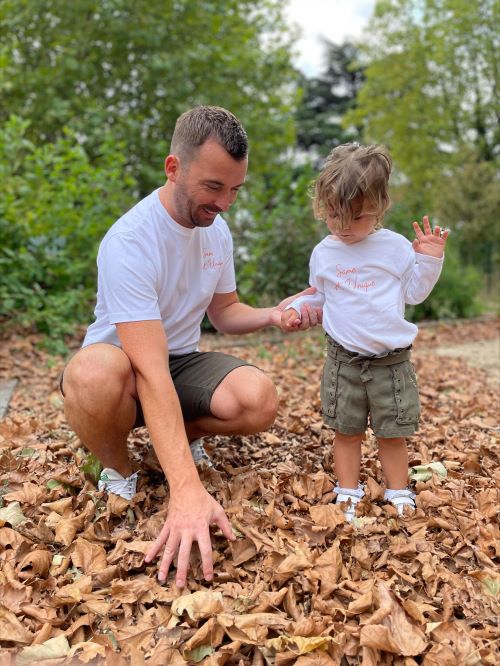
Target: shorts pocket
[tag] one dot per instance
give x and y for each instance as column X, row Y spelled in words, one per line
column 405, row 393
column 329, row 387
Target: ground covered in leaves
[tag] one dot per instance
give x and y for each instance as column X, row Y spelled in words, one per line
column 299, row 585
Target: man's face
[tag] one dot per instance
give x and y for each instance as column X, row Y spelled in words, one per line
column 206, row 186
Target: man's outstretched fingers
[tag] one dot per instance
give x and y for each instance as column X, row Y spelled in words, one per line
column 157, row 545
column 205, row 548
column 427, row 225
column 167, row 559
column 221, row 520
column 183, row 561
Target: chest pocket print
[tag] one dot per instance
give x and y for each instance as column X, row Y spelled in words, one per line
column 211, row 262
column 405, row 393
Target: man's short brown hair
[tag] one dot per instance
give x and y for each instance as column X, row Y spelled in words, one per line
column 201, row 123
column 353, row 176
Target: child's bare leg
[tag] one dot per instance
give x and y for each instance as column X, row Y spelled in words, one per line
column 393, row 456
column 347, row 459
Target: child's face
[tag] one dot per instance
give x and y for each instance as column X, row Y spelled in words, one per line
column 361, row 227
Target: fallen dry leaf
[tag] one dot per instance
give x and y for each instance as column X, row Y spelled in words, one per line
column 54, row 648
column 12, row 630
column 198, row 605
column 298, row 579
column 36, row 563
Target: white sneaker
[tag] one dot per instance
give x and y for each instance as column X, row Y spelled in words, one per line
column 400, row 499
column 350, row 497
column 200, row 456
column 113, row 482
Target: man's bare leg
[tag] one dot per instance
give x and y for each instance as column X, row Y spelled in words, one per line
column 99, row 405
column 99, row 387
column 245, row 402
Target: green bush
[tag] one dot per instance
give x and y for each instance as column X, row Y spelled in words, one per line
column 456, row 293
column 54, row 209
column 275, row 236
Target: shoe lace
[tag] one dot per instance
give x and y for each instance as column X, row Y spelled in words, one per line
column 125, row 487
column 130, row 482
column 199, row 453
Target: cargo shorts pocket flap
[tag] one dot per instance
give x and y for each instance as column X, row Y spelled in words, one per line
column 405, row 393
column 329, row 387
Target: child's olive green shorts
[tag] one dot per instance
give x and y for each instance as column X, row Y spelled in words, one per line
column 196, row 376
column 383, row 388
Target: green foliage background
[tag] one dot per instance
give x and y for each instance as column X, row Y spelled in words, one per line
column 89, row 94
column 54, row 207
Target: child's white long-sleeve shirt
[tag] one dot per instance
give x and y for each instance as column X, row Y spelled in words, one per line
column 364, row 286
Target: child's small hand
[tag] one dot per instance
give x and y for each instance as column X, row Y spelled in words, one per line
column 429, row 242
column 290, row 320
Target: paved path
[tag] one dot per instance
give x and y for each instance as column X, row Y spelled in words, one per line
column 6, row 390
column 483, row 354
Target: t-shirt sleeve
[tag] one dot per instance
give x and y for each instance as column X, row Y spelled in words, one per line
column 227, row 280
column 420, row 276
column 314, row 279
column 127, row 281
column 317, row 299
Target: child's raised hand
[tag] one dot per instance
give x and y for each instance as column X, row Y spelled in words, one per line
column 290, row 320
column 429, row 241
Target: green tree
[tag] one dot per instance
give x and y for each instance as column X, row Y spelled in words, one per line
column 469, row 202
column 275, row 235
column 327, row 98
column 431, row 95
column 54, row 208
column 431, row 88
column 128, row 68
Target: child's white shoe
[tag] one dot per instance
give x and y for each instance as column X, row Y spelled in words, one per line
column 401, row 499
column 113, row 482
column 350, row 497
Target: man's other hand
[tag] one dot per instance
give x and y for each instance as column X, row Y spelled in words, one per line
column 188, row 520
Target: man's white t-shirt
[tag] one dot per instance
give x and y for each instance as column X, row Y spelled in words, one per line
column 152, row 268
column 364, row 286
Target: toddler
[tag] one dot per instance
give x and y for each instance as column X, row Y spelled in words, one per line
column 364, row 275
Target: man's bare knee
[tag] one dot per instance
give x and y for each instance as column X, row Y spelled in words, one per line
column 248, row 398
column 265, row 405
column 96, row 376
column 258, row 404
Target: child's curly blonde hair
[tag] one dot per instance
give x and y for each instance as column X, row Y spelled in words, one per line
column 353, row 176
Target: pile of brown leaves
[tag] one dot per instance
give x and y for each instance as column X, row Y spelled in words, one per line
column 299, row 585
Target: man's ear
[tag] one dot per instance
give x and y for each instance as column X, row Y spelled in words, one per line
column 172, row 167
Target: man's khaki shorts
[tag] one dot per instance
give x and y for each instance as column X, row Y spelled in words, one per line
column 195, row 376
column 381, row 389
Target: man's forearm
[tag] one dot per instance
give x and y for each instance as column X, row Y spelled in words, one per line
column 163, row 417
column 239, row 318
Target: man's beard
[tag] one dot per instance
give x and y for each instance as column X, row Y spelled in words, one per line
column 188, row 213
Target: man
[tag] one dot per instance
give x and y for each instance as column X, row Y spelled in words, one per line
column 161, row 266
